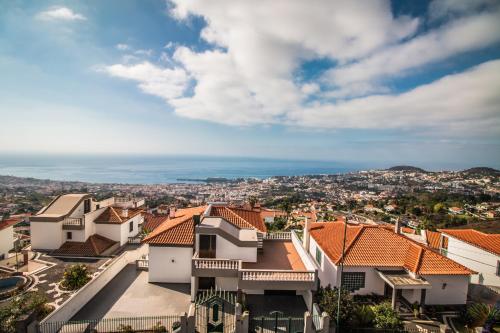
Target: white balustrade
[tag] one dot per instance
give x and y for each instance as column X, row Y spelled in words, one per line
column 77, row 221
column 281, row 235
column 270, row 275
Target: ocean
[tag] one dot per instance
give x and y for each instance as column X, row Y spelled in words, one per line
column 158, row 169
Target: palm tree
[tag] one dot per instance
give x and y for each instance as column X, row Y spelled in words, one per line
column 480, row 314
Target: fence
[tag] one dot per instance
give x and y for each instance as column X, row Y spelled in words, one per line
column 112, row 325
column 277, row 324
column 386, row 330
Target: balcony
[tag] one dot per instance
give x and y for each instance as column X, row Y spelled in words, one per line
column 278, row 267
column 214, row 267
column 73, row 223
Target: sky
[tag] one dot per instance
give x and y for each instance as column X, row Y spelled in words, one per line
column 402, row 82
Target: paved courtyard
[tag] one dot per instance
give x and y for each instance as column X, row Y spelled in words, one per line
column 130, row 294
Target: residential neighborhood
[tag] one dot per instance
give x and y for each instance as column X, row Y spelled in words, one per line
column 196, row 260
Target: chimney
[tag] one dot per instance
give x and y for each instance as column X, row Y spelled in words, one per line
column 306, row 236
column 172, row 212
column 125, row 212
column 397, row 226
column 423, row 233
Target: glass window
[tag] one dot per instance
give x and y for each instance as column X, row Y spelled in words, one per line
column 319, row 256
column 69, row 235
column 498, row 268
column 131, row 226
column 353, row 281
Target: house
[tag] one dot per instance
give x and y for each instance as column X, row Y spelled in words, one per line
column 6, row 237
column 390, row 208
column 76, row 224
column 476, row 250
column 382, row 261
column 229, row 248
column 455, row 210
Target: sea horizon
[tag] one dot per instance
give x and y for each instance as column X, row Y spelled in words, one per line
column 165, row 169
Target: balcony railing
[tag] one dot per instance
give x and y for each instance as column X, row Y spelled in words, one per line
column 214, row 263
column 277, row 275
column 142, row 264
column 281, row 235
column 74, row 221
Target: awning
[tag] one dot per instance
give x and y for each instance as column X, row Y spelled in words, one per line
column 403, row 280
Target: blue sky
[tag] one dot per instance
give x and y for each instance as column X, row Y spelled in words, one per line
column 378, row 82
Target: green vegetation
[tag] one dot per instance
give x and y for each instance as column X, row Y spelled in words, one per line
column 482, row 315
column 75, row 277
column 357, row 315
column 20, row 306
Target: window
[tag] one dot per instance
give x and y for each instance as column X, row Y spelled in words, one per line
column 498, row 268
column 131, row 226
column 353, row 281
column 208, row 246
column 86, row 206
column 319, row 256
column 69, row 235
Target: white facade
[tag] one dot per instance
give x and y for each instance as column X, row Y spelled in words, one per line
column 475, row 258
column 170, row 264
column 6, row 241
column 447, row 289
column 46, row 235
column 327, row 270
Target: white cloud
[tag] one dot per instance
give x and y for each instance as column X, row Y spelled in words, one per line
column 464, row 104
column 457, row 37
column 60, row 14
column 444, row 8
column 250, row 76
column 123, row 47
column 147, row 53
column 162, row 82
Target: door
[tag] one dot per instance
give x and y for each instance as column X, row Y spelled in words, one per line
column 207, row 248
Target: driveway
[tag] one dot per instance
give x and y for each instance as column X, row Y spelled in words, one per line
column 130, row 294
column 288, row 305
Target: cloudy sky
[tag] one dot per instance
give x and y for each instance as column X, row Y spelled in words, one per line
column 376, row 81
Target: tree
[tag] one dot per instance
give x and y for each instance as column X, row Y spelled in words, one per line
column 386, row 316
column 482, row 315
column 438, row 208
column 327, row 299
column 20, row 305
column 75, row 277
column 363, row 316
column 252, row 200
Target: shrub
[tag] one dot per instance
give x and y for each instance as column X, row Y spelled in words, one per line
column 159, row 328
column 363, row 316
column 125, row 329
column 327, row 299
column 22, row 305
column 75, row 277
column 386, row 316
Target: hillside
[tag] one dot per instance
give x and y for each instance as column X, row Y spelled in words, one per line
column 483, row 171
column 407, row 168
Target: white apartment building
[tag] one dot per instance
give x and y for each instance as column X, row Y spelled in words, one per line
column 6, row 237
column 476, row 250
column 76, row 224
column 229, row 248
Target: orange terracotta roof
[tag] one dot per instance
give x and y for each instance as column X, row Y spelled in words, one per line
column 253, row 217
column 115, row 215
column 151, row 222
column 4, row 224
column 176, row 231
column 377, row 246
column 487, row 242
column 93, row 246
column 433, row 239
column 408, row 230
column 238, row 217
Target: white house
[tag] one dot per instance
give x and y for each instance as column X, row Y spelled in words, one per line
column 75, row 224
column 382, row 261
column 476, row 250
column 229, row 248
column 6, row 237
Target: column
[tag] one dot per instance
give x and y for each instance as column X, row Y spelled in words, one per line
column 393, row 297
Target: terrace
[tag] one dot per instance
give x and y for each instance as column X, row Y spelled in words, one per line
column 279, row 266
